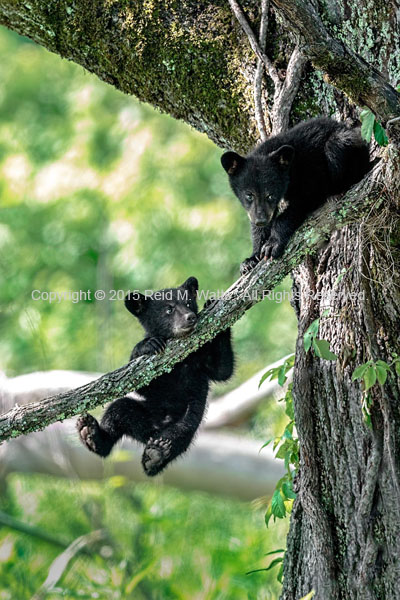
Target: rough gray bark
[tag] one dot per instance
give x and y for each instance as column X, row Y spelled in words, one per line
column 192, row 60
column 346, row 518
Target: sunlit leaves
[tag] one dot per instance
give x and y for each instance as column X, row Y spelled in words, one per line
column 369, row 126
column 320, row 347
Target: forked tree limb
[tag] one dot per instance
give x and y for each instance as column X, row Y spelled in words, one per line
column 243, row 294
column 286, row 88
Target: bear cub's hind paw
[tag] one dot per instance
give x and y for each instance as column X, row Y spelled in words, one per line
column 156, row 455
column 90, row 434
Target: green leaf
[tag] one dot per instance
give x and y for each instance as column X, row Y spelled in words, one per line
column 369, row 377
column 311, row 332
column 256, row 571
column 290, row 361
column 289, row 403
column 286, row 447
column 340, row 277
column 277, row 505
column 287, row 489
column 268, row 515
column 266, row 444
column 397, row 367
column 380, row 134
column 381, row 374
column 307, row 341
column 383, row 364
column 309, row 595
column 322, row 350
column 282, row 375
column 274, row 562
column 264, row 377
column 287, row 434
column 359, row 372
column 274, row 551
column 367, row 418
column 313, row 329
column 280, row 574
column 277, row 441
column 367, row 119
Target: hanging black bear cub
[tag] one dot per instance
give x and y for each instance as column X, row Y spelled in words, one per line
column 166, row 414
column 314, row 160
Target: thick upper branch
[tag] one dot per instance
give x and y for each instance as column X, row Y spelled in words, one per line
column 242, row 295
column 343, row 68
column 189, row 59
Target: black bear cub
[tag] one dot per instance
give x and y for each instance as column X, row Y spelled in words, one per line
column 165, row 414
column 304, row 166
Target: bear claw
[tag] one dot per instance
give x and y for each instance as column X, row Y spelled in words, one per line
column 156, row 455
column 88, row 429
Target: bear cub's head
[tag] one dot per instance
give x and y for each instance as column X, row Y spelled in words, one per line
column 259, row 181
column 169, row 313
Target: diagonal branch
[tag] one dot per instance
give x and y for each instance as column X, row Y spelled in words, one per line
column 343, row 68
column 244, row 293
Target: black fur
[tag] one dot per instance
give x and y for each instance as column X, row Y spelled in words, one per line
column 314, row 160
column 165, row 414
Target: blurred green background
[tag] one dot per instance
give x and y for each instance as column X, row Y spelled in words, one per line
column 98, row 191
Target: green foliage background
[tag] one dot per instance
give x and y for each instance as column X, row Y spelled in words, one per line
column 98, row 191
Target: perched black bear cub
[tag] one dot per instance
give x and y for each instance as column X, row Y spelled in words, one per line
column 166, row 414
column 314, row 160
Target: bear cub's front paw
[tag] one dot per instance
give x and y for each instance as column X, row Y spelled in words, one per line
column 210, row 303
column 249, row 264
column 273, row 248
column 156, row 455
column 154, row 345
column 89, row 432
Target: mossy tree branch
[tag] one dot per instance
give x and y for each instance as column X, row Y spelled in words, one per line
column 244, row 293
column 343, row 68
column 191, row 59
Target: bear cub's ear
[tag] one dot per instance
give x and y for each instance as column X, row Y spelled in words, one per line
column 232, row 162
column 283, row 156
column 191, row 285
column 135, row 303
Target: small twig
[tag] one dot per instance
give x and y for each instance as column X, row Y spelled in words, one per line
column 239, row 14
column 259, row 112
column 17, row 525
column 392, row 121
column 59, row 564
column 286, row 92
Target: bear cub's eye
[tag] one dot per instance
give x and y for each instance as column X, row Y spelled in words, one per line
column 249, row 197
column 169, row 310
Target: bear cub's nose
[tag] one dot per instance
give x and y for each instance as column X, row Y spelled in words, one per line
column 191, row 318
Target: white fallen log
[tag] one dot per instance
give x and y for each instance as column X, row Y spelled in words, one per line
column 219, row 463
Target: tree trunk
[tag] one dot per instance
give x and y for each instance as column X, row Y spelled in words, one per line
column 344, row 538
column 192, row 60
